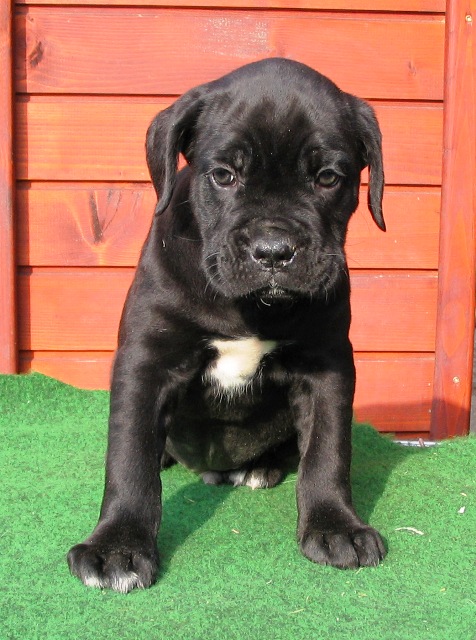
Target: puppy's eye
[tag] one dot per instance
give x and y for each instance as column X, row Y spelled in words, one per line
column 327, row 179
column 224, row 178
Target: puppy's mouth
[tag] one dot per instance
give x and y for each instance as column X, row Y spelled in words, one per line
column 274, row 295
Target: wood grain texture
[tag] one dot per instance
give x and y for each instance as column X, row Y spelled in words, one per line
column 84, row 369
column 393, row 311
column 83, row 224
column 411, row 240
column 89, row 224
column 63, row 50
column 102, row 139
column 79, row 309
column 456, row 295
column 431, row 6
column 8, row 347
column 393, row 390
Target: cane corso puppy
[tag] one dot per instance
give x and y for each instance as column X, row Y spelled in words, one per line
column 233, row 345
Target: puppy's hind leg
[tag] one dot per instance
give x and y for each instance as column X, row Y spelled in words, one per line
column 264, row 473
column 259, row 478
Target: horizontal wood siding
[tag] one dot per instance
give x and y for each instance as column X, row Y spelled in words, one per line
column 432, row 6
column 54, row 301
column 103, row 139
column 89, row 77
column 104, row 224
column 405, row 55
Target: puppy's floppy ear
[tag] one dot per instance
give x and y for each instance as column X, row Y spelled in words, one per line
column 172, row 132
column 370, row 138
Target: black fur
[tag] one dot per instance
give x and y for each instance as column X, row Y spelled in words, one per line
column 246, row 242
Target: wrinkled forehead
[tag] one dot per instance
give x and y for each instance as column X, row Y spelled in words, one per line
column 273, row 123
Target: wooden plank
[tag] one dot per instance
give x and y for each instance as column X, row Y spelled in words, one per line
column 8, row 354
column 84, row 369
column 393, row 311
column 412, row 143
column 411, row 240
column 457, row 282
column 75, row 309
column 90, row 224
column 80, row 224
column 66, row 51
column 79, row 309
column 393, row 390
column 431, row 6
column 83, row 138
column 102, row 139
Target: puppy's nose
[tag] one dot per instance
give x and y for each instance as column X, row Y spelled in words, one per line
column 273, row 252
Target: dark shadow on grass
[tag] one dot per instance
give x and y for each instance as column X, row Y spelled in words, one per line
column 184, row 513
column 374, row 458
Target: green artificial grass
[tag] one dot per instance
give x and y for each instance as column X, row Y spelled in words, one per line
column 231, row 568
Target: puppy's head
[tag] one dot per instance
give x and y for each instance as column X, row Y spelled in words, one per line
column 276, row 151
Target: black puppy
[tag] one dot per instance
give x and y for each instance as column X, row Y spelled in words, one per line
column 233, row 344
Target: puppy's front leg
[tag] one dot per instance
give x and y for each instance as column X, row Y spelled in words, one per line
column 329, row 530
column 121, row 553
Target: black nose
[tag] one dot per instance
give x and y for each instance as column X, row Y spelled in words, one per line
column 273, row 251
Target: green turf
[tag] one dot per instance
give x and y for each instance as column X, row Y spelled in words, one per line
column 231, row 568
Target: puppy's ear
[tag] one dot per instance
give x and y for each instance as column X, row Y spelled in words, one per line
column 172, row 132
column 371, row 139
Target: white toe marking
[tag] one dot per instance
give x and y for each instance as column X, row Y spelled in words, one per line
column 244, row 478
column 93, row 581
column 126, row 582
column 122, row 582
column 256, row 481
column 237, row 361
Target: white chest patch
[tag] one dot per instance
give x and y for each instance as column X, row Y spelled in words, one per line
column 237, row 361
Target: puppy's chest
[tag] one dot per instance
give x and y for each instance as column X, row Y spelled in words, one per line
column 237, row 362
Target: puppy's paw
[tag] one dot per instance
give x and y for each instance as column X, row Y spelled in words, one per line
column 121, row 568
column 259, row 478
column 351, row 549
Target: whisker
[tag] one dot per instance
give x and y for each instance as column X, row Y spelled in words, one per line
column 187, row 239
column 211, row 255
column 212, row 279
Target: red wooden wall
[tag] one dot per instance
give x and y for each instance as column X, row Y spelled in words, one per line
column 87, row 78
